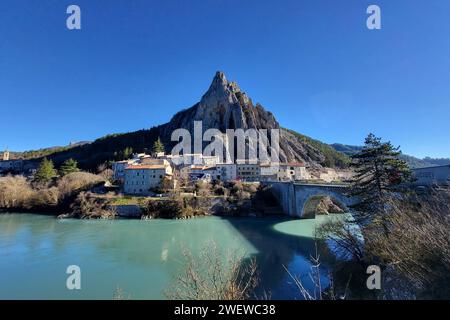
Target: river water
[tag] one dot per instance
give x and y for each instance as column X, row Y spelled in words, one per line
column 144, row 257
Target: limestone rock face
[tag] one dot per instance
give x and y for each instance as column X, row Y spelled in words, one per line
column 327, row 206
column 225, row 106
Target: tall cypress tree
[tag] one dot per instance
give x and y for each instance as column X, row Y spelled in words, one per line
column 379, row 174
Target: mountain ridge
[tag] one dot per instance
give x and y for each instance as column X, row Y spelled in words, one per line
column 412, row 161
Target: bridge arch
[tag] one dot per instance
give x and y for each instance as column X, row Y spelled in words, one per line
column 297, row 199
column 311, row 205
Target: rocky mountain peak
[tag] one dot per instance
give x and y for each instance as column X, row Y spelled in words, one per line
column 225, row 106
column 222, row 89
column 220, row 80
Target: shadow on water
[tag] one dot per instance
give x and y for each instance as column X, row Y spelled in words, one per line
column 291, row 246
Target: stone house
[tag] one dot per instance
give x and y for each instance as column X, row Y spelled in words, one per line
column 142, row 178
column 248, row 172
column 292, row 172
column 429, row 176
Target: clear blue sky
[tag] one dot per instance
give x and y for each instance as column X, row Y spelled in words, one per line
column 313, row 63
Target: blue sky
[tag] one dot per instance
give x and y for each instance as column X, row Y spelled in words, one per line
column 313, row 63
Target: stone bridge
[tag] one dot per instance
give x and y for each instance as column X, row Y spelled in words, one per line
column 300, row 200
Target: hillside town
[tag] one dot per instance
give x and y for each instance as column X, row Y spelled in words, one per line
column 143, row 172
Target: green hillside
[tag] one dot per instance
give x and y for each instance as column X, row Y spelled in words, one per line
column 333, row 158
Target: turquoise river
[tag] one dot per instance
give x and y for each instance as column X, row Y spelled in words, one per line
column 143, row 257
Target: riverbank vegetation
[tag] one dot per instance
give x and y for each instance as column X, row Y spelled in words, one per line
column 89, row 206
column 46, row 191
column 409, row 241
column 403, row 233
column 214, row 275
column 176, row 208
column 71, row 193
column 229, row 199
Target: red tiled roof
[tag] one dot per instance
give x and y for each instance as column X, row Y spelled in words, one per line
column 146, row 166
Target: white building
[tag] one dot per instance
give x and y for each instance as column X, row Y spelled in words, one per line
column 432, row 176
column 5, row 155
column 142, row 178
column 196, row 172
column 284, row 171
column 193, row 159
column 269, row 171
column 118, row 168
column 227, row 171
column 158, row 161
column 248, row 171
column 329, row 175
column 292, row 172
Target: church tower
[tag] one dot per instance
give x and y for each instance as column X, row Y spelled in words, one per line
column 5, row 155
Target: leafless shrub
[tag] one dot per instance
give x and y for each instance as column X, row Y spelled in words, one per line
column 88, row 206
column 107, row 174
column 102, row 167
column 409, row 240
column 176, row 207
column 211, row 276
column 15, row 192
column 44, row 197
column 417, row 248
column 120, row 294
column 220, row 190
column 343, row 237
column 203, row 188
column 319, row 292
column 76, row 181
column 250, row 188
column 235, row 187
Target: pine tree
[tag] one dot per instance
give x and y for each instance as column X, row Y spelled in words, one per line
column 68, row 166
column 45, row 172
column 158, row 146
column 379, row 174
